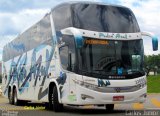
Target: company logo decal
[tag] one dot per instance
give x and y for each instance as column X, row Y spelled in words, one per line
column 117, row 89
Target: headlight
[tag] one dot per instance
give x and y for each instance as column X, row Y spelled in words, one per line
column 86, row 85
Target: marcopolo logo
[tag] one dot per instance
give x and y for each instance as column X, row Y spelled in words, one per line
column 117, row 89
column 103, row 83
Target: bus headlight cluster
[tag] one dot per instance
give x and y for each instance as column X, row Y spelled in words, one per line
column 142, row 85
column 86, row 85
column 84, row 96
column 144, row 95
column 89, row 86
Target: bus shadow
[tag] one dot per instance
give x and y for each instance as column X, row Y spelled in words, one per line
column 75, row 110
column 91, row 111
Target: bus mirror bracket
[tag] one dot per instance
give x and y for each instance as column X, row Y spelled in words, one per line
column 79, row 40
column 154, row 39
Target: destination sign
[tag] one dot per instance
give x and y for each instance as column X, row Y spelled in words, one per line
column 94, row 41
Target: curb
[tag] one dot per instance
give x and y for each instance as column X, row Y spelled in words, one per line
column 153, row 94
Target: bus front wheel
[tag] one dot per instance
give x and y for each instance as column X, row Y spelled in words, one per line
column 57, row 107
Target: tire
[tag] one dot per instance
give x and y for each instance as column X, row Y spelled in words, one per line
column 54, row 103
column 10, row 97
column 109, row 107
column 16, row 101
column 47, row 106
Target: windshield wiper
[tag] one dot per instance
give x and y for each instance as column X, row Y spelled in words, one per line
column 92, row 72
column 136, row 71
column 104, row 72
column 98, row 70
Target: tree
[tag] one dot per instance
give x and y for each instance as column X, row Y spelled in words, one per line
column 152, row 63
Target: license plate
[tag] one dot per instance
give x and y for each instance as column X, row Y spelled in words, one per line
column 118, row 98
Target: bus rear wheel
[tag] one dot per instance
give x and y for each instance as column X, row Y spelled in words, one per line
column 54, row 103
column 10, row 97
column 16, row 101
column 109, row 107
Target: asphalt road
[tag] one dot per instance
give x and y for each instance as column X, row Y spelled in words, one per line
column 150, row 107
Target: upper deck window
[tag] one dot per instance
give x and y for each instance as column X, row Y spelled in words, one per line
column 104, row 18
column 95, row 17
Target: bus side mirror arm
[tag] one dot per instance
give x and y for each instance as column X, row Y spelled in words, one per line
column 79, row 40
column 154, row 39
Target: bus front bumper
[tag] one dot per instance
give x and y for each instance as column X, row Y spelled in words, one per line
column 87, row 96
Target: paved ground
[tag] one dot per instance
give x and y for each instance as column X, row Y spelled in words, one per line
column 152, row 105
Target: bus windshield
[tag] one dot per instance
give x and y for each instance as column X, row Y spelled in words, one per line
column 95, row 17
column 108, row 57
column 104, row 18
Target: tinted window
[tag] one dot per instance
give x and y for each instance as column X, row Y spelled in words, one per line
column 64, row 56
column 96, row 17
column 62, row 17
column 104, row 18
column 108, row 57
column 69, row 41
column 39, row 33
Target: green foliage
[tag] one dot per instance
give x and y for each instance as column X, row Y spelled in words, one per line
column 152, row 63
column 153, row 84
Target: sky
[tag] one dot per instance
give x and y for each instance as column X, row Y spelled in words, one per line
column 18, row 15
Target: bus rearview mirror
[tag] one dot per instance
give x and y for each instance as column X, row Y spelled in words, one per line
column 154, row 40
column 79, row 41
column 77, row 35
column 155, row 43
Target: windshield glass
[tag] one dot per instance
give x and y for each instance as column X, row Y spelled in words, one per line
column 109, row 57
column 95, row 17
column 112, row 58
column 104, row 18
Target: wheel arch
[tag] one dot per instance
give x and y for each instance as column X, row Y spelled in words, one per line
column 14, row 87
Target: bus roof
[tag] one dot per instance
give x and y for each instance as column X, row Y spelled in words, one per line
column 25, row 34
column 86, row 2
column 65, row 3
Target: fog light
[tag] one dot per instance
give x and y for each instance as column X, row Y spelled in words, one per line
column 83, row 96
column 144, row 95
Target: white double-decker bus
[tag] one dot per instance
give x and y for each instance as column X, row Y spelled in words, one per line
column 81, row 53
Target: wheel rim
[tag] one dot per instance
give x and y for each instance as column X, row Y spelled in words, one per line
column 15, row 97
column 52, row 98
column 10, row 96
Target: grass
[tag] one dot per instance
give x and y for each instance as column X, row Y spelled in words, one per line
column 153, row 84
